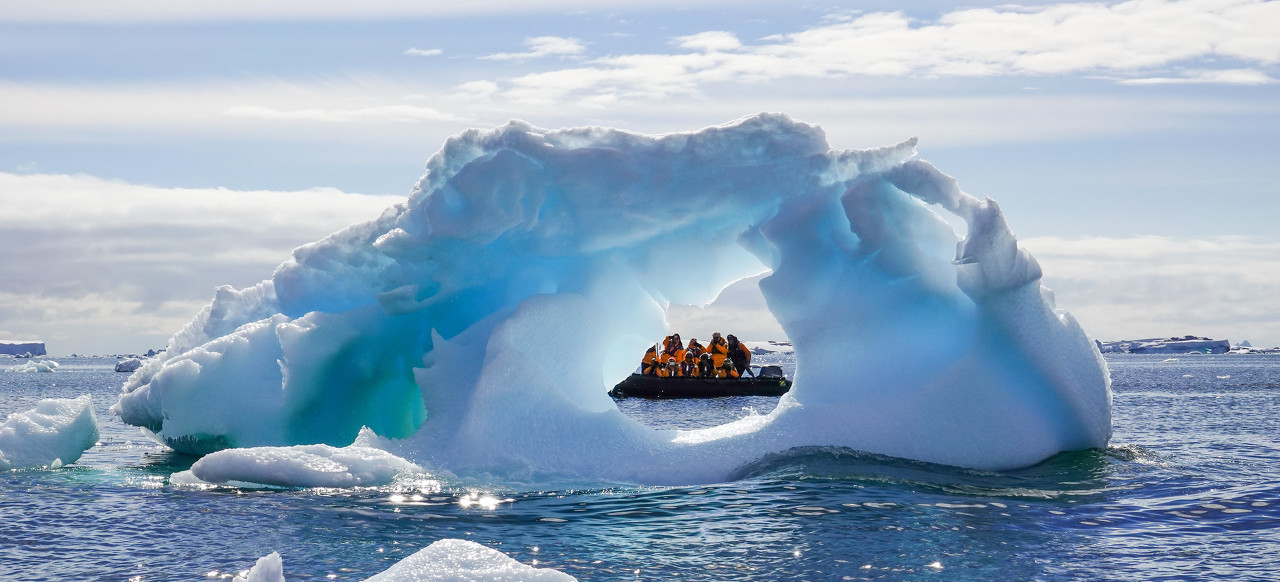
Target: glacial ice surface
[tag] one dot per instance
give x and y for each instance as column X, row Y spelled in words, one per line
column 54, row 433
column 318, row 465
column 477, row 326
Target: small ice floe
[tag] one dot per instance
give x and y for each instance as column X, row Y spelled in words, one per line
column 55, row 433
column 129, row 365
column 443, row 561
column 299, row 466
column 269, row 568
column 35, row 366
column 1224, row 377
column 454, row 559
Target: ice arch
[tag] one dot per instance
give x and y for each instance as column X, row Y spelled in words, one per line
column 477, row 325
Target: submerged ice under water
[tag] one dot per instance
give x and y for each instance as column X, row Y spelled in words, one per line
column 476, row 327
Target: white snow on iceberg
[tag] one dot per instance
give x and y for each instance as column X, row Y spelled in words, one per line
column 35, row 366
column 479, row 325
column 55, row 433
column 447, row 560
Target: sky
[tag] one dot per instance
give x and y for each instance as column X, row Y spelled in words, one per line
column 151, row 151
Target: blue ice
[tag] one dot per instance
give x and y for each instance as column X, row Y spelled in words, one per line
column 476, row 327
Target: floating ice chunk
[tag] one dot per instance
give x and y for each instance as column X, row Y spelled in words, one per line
column 129, row 365
column 53, row 434
column 451, row 560
column 269, row 568
column 481, row 323
column 447, row 560
column 35, row 366
column 303, row 466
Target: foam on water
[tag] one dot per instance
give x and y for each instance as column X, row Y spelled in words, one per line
column 477, row 327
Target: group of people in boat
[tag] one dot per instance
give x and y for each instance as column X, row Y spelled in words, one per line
column 722, row 357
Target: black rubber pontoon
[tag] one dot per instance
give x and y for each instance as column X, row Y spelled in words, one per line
column 642, row 386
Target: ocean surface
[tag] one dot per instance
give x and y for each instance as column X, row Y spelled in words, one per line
column 1189, row 489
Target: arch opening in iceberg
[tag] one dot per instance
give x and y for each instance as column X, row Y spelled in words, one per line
column 477, row 326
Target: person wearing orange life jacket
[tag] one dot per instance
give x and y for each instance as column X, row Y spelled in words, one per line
column 695, row 348
column 672, row 348
column 727, row 370
column 739, row 354
column 689, row 367
column 670, row 370
column 649, row 363
column 718, row 348
column 706, row 368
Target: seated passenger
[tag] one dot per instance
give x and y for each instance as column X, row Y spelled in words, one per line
column 648, row 364
column 726, row 370
column 670, row 370
column 673, row 348
column 689, row 367
column 695, row 348
column 706, row 368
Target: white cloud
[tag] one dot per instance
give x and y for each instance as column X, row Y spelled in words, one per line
column 417, row 52
column 1201, row 77
column 1130, row 39
column 90, row 261
column 1117, row 288
column 241, row 10
column 395, row 114
column 716, row 40
column 543, row 46
column 381, row 114
column 1131, row 288
column 328, row 109
column 481, row 90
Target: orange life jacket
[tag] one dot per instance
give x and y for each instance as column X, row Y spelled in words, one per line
column 718, row 350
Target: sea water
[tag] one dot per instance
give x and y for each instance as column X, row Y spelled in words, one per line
column 1189, row 489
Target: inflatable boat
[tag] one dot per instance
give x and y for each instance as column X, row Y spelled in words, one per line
column 770, row 382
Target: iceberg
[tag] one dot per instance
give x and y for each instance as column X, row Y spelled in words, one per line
column 55, row 433
column 129, row 365
column 22, row 348
column 477, row 327
column 1174, row 345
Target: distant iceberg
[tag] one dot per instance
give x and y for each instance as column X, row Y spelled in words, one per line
column 35, row 366
column 22, row 348
column 129, row 365
column 1173, row 345
column 477, row 327
column 55, row 433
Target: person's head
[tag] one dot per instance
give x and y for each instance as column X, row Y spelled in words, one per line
column 693, row 341
column 675, row 337
column 706, row 357
column 688, row 356
column 715, row 336
column 733, row 339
